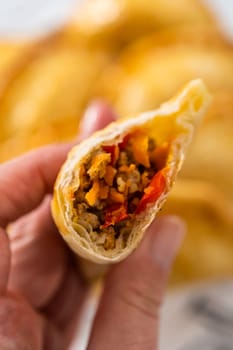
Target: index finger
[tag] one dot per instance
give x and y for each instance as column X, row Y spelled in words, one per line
column 25, row 180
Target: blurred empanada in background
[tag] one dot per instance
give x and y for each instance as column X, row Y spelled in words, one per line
column 9, row 52
column 207, row 249
column 115, row 23
column 12, row 57
column 46, row 101
column 147, row 74
column 211, row 154
column 15, row 55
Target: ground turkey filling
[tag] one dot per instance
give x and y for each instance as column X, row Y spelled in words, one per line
column 117, row 183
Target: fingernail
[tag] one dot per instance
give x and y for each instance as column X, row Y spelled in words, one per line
column 89, row 119
column 97, row 116
column 167, row 238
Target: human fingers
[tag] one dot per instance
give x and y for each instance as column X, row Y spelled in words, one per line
column 39, row 256
column 20, row 327
column 64, row 310
column 127, row 317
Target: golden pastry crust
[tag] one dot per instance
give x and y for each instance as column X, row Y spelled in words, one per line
column 175, row 122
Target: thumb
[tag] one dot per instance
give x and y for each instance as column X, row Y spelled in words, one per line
column 127, row 317
column 4, row 260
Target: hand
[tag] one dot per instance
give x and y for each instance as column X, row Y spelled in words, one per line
column 41, row 289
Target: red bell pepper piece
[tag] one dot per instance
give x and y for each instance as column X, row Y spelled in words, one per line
column 152, row 192
column 114, row 214
column 124, row 142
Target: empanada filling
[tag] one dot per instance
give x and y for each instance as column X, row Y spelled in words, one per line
column 116, row 184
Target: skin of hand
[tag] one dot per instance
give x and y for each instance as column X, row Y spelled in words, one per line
column 41, row 289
